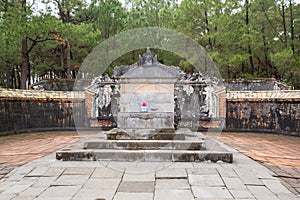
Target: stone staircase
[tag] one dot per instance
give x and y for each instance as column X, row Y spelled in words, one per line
column 180, row 146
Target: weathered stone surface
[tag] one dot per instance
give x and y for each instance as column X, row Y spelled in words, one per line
column 145, row 120
column 261, row 192
column 94, row 194
column 102, row 183
column 54, row 171
column 15, row 189
column 136, row 186
column 122, row 135
column 33, row 191
column 275, row 186
column 227, row 172
column 131, row 196
column 234, row 183
column 44, row 182
column 144, row 144
column 6, row 196
column 150, row 176
column 202, row 171
column 75, row 155
column 259, row 95
column 251, row 111
column 206, row 180
column 144, row 155
column 171, row 173
column 172, row 184
column 38, row 171
column 241, row 194
column 78, row 170
column 40, row 110
column 40, row 94
column 206, row 192
column 60, row 191
column 247, row 177
column 107, row 173
column 66, row 180
column 173, row 194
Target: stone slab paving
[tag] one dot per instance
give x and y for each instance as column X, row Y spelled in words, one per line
column 280, row 153
column 47, row 178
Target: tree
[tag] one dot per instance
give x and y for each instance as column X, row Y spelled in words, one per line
column 107, row 16
column 9, row 41
column 257, row 38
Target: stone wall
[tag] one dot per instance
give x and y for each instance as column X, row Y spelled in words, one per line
column 22, row 110
column 265, row 111
column 259, row 111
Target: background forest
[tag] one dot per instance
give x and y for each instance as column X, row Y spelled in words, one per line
column 49, row 39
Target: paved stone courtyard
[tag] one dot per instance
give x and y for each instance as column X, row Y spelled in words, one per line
column 47, row 178
column 279, row 153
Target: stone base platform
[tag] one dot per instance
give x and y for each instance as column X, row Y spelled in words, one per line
column 145, row 144
column 186, row 146
column 144, row 155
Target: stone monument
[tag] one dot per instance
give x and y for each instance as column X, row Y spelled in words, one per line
column 146, row 100
column 147, row 94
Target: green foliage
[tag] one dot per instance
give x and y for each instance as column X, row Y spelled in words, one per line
column 219, row 26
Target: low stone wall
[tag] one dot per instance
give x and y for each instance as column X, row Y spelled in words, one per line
column 260, row 111
column 265, row 111
column 26, row 110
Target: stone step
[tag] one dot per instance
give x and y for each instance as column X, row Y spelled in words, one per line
column 145, row 136
column 145, row 144
column 144, row 155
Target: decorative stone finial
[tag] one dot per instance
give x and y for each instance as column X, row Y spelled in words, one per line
column 148, row 58
column 148, row 51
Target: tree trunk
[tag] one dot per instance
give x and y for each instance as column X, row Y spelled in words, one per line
column 248, row 32
column 8, row 76
column 14, row 80
column 63, row 12
column 265, row 49
column 18, row 78
column 228, row 72
column 25, row 59
column 207, row 29
column 8, row 69
column 284, row 24
column 243, row 67
column 24, row 66
column 292, row 26
column 132, row 55
column 62, row 60
column 68, row 60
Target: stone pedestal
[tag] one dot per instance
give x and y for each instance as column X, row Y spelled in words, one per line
column 153, row 120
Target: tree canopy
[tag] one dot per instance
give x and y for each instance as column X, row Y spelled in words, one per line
column 49, row 39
